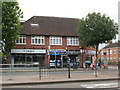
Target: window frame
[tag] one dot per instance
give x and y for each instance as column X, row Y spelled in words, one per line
column 72, row 41
column 110, row 51
column 21, row 37
column 115, row 59
column 114, row 51
column 35, row 40
column 55, row 40
column 118, row 51
column 111, row 59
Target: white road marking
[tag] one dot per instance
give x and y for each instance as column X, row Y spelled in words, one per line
column 104, row 85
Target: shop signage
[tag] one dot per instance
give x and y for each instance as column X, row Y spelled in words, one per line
column 57, row 51
column 28, row 51
column 73, row 52
column 90, row 52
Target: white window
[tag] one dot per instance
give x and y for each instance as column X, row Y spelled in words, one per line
column 114, row 59
column 119, row 59
column 21, row 40
column 102, row 53
column 114, row 51
column 119, row 51
column 73, row 41
column 110, row 51
column 111, row 59
column 54, row 40
column 37, row 40
column 107, row 52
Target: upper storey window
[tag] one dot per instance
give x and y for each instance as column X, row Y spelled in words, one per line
column 37, row 40
column 54, row 40
column 74, row 41
column 21, row 40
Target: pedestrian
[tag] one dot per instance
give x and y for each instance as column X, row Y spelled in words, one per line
column 100, row 63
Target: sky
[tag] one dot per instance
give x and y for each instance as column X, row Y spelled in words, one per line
column 69, row 8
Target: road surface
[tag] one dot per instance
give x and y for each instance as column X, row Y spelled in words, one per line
column 95, row 84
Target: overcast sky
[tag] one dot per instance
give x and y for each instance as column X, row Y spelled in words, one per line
column 68, row 8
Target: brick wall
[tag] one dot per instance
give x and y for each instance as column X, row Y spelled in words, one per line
column 117, row 56
column 29, row 46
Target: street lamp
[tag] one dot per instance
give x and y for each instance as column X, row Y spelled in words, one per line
column 82, row 51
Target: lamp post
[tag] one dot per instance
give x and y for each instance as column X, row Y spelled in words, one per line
column 68, row 63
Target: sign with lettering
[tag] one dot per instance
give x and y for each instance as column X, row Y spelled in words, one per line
column 73, row 52
column 90, row 52
column 43, row 51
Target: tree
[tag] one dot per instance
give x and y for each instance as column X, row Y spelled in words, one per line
column 11, row 13
column 95, row 29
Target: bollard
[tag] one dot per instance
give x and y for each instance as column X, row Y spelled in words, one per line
column 69, row 70
column 10, row 72
column 39, row 70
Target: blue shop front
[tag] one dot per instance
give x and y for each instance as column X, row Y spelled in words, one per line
column 56, row 58
column 60, row 58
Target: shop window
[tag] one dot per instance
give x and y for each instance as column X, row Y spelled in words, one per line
column 19, row 59
column 37, row 40
column 55, row 40
column 73, row 41
column 21, row 40
column 52, row 57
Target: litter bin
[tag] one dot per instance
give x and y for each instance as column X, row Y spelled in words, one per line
column 74, row 65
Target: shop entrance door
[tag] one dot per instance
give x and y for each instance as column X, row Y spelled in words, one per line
column 41, row 60
column 29, row 60
column 64, row 61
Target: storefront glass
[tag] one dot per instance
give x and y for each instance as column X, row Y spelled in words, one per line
column 29, row 59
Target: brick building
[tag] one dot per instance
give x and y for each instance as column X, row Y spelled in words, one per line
column 48, row 40
column 112, row 52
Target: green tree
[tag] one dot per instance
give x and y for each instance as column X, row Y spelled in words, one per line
column 11, row 14
column 95, row 29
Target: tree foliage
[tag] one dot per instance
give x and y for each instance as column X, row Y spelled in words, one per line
column 96, row 28
column 11, row 14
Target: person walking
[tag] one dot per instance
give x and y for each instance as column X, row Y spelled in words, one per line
column 100, row 63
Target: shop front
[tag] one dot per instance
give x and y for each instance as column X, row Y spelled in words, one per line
column 74, row 56
column 56, row 58
column 89, row 57
column 28, row 56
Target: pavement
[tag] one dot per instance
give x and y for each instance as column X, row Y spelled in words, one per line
column 58, row 78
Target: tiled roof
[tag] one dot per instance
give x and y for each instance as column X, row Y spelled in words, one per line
column 50, row 26
column 112, row 45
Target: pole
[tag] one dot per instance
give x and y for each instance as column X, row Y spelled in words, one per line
column 69, row 70
column 68, row 67
column 39, row 70
column 10, row 72
column 96, row 62
column 55, row 60
column 83, row 56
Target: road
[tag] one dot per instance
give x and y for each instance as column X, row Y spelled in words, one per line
column 95, row 84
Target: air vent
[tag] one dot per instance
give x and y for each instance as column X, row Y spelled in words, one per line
column 34, row 24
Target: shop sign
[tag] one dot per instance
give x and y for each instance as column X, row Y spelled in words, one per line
column 52, row 62
column 28, row 51
column 73, row 52
column 91, row 52
column 57, row 51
